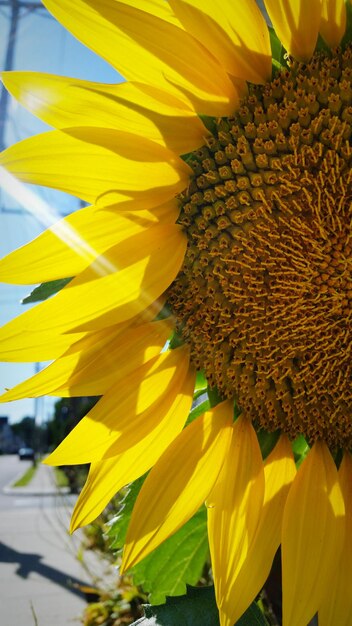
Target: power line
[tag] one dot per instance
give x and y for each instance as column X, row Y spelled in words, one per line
column 15, row 14
column 21, row 4
column 15, row 6
column 10, row 50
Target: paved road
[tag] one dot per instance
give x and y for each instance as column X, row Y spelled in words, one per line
column 39, row 571
column 11, row 468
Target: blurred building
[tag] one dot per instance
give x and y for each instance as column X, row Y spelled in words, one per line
column 9, row 442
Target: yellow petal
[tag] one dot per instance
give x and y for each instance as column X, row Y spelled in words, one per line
column 88, row 162
column 179, row 483
column 19, row 341
column 145, row 44
column 166, row 213
column 105, row 359
column 235, row 32
column 135, row 347
column 108, row 476
column 279, row 472
column 234, row 509
column 312, row 536
column 333, row 21
column 74, row 242
column 121, row 419
column 18, row 344
column 126, row 280
column 109, row 318
column 139, row 109
column 296, row 23
column 336, row 608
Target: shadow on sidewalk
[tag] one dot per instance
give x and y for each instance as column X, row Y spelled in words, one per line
column 28, row 563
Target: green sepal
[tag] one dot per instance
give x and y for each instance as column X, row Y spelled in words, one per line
column 300, row 449
column 322, row 46
column 176, row 341
column 214, row 396
column 338, row 456
column 46, row 290
column 163, row 314
column 196, row 608
column 278, row 52
column 267, row 441
column 209, row 123
column 178, row 561
column 347, row 38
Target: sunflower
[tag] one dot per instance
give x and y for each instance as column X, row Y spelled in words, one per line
column 217, row 244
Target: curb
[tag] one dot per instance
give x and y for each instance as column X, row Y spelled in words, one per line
column 27, row 491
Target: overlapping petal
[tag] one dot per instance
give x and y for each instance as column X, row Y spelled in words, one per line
column 160, row 427
column 279, row 472
column 22, row 343
column 74, row 243
column 88, row 162
column 179, row 482
column 236, row 33
column 20, row 340
column 234, row 509
column 112, row 426
column 124, row 282
column 145, row 43
column 139, row 109
column 297, row 24
column 336, row 607
column 109, row 318
column 312, row 536
column 105, row 358
column 333, row 21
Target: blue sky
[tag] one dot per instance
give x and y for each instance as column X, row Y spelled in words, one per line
column 41, row 45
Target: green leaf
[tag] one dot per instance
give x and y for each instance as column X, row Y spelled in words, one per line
column 201, row 381
column 117, row 526
column 277, row 51
column 177, row 561
column 197, row 608
column 45, row 290
column 214, row 396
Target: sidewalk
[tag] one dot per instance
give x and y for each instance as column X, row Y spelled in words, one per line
column 40, row 573
column 42, row 484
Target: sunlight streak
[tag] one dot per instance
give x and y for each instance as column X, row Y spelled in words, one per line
column 45, row 215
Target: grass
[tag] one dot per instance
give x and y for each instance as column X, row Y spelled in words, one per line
column 26, row 478
column 60, row 477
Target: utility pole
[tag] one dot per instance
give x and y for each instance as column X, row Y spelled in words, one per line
column 17, row 10
column 15, row 7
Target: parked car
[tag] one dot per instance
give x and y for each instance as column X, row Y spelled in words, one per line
column 26, row 454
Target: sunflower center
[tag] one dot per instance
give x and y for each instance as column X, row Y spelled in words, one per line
column 264, row 295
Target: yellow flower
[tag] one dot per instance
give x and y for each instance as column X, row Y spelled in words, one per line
column 221, row 194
